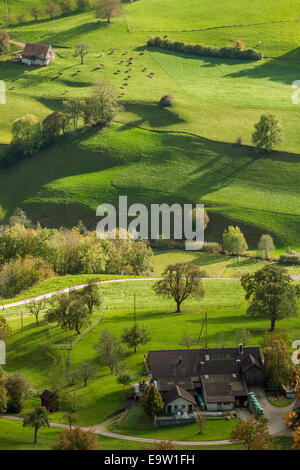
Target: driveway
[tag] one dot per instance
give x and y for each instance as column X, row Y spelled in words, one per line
column 274, row 414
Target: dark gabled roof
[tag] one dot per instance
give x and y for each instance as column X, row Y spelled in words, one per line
column 223, row 388
column 38, row 51
column 46, row 395
column 249, row 361
column 177, row 392
column 192, row 363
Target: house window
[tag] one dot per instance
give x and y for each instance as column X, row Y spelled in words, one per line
column 183, row 407
column 190, row 408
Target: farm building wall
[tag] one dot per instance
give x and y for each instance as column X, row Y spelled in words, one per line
column 220, row 406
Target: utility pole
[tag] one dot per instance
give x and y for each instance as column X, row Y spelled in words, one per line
column 134, row 308
column 206, row 330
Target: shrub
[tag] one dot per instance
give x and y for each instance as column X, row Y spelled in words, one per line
column 151, row 42
column 234, row 52
column 239, row 140
column 290, row 259
column 178, row 46
column 166, row 101
column 213, row 248
column 158, row 42
column 18, row 275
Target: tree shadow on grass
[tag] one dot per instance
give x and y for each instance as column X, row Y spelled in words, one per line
column 151, row 114
column 284, row 69
column 208, row 61
column 57, row 39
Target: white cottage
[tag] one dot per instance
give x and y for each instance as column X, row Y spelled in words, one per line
column 37, row 54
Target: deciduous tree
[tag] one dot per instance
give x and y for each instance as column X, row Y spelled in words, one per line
column 109, row 350
column 38, row 418
column 271, row 293
column 253, row 433
column 81, row 50
column 268, row 133
column 234, row 241
column 4, row 42
column 17, row 390
column 266, row 245
column 107, row 9
column 86, row 371
column 136, row 335
column 76, row 439
column 180, row 282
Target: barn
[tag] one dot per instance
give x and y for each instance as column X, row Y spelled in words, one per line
column 37, row 54
column 215, row 379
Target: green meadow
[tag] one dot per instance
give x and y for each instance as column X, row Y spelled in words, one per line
column 186, row 153
column 30, row 348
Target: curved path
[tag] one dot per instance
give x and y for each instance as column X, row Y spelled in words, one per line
column 100, row 430
column 81, row 286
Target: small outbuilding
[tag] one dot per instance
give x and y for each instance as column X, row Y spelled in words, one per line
column 37, row 54
column 49, row 400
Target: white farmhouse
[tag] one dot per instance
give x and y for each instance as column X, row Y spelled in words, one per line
column 37, row 54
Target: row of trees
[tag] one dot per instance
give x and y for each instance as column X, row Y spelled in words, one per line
column 103, row 9
column 29, row 134
column 234, row 242
column 29, row 255
column 270, row 291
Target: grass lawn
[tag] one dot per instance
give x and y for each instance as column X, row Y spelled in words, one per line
column 281, row 401
column 14, row 437
column 136, row 423
column 224, row 303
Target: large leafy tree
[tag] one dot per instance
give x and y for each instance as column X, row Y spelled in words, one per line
column 109, row 350
column 76, row 439
column 266, row 245
column 135, row 336
column 38, row 418
column 152, row 400
column 81, row 50
column 17, row 389
column 268, row 133
column 180, row 282
column 107, row 9
column 234, row 241
column 27, row 135
column 253, row 433
column 278, row 365
column 103, row 106
column 271, row 293
column 90, row 294
column 4, row 42
column 69, row 311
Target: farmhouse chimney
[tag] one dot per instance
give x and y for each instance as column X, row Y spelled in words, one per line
column 241, row 349
column 238, row 366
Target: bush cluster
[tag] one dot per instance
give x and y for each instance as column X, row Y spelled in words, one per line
column 30, row 255
column 229, row 52
column 213, row 248
column 289, row 259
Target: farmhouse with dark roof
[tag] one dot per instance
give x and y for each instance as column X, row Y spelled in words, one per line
column 216, row 379
column 37, row 54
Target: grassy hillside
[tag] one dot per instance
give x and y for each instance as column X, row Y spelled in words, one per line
column 219, row 100
column 236, row 184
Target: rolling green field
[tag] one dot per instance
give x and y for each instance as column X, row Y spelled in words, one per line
column 216, row 100
column 224, row 303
